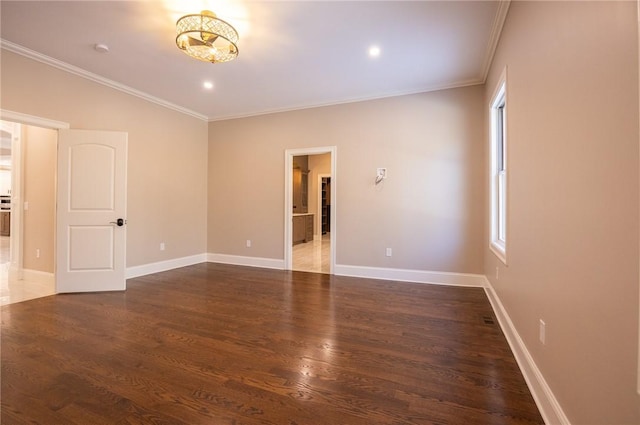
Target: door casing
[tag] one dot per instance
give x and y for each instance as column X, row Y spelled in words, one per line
column 288, row 201
column 17, row 210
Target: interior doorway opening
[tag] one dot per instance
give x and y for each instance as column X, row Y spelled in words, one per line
column 28, row 243
column 311, row 235
column 309, row 211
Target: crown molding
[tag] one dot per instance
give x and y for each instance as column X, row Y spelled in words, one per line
column 18, row 117
column 456, row 85
column 503, row 7
column 498, row 24
column 47, row 60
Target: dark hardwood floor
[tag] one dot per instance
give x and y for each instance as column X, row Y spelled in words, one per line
column 219, row 344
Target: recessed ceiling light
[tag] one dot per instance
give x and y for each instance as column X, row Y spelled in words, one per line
column 207, row 85
column 374, row 51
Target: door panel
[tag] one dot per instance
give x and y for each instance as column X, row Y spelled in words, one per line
column 92, row 168
column 91, row 248
column 91, row 198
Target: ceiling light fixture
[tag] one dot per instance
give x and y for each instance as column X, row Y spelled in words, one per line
column 374, row 51
column 205, row 37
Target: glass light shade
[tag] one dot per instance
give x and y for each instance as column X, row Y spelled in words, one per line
column 207, row 38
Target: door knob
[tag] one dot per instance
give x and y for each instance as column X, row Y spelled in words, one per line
column 119, row 222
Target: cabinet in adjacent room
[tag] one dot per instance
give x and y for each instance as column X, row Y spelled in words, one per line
column 300, row 184
column 5, row 181
column 302, row 228
column 300, row 191
column 5, row 223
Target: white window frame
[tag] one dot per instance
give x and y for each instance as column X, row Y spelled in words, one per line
column 498, row 171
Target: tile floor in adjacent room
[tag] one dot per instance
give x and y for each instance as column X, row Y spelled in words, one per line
column 312, row 256
column 14, row 290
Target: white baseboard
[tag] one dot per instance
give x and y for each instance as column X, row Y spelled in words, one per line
column 37, row 275
column 418, row 276
column 238, row 260
column 163, row 266
column 547, row 403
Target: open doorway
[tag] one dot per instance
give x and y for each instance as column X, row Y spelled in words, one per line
column 27, row 190
column 310, row 213
column 311, row 235
column 8, row 132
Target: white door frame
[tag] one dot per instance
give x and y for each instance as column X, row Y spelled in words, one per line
column 15, row 230
column 17, row 192
column 638, row 16
column 288, row 201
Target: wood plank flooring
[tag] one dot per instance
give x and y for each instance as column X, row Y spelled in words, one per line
column 220, row 344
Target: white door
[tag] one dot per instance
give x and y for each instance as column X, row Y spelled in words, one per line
column 91, row 211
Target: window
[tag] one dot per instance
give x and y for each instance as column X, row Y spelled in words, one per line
column 498, row 173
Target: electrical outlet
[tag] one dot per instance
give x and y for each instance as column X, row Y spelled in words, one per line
column 543, row 332
column 26, row 206
column 38, row 253
column 161, row 246
column 388, row 252
column 248, row 243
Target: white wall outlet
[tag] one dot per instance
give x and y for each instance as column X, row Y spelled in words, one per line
column 248, row 243
column 388, row 252
column 543, row 332
column 38, row 253
column 161, row 246
column 26, row 205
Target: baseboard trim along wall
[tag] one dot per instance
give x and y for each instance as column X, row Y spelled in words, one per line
column 238, row 260
column 417, row 276
column 163, row 266
column 38, row 276
column 547, row 403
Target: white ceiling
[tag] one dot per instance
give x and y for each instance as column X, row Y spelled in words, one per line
column 293, row 54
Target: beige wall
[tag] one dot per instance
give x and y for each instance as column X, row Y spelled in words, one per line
column 167, row 168
column 39, row 179
column 430, row 209
column 572, row 94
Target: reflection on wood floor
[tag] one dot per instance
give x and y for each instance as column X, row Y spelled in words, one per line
column 13, row 290
column 312, row 256
column 222, row 344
